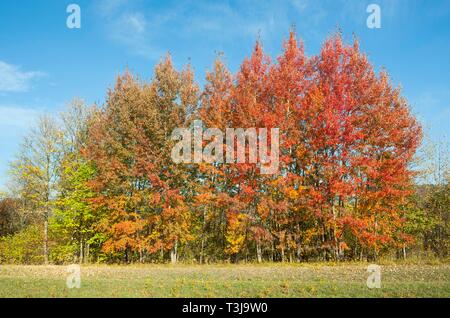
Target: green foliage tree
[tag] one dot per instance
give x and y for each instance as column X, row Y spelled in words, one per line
column 74, row 216
column 36, row 169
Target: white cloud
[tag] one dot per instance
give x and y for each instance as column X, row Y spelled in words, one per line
column 13, row 79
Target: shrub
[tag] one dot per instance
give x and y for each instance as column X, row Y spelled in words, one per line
column 24, row 247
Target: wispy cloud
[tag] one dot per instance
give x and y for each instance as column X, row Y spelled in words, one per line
column 249, row 19
column 18, row 117
column 135, row 22
column 127, row 25
column 145, row 31
column 131, row 29
column 109, row 7
column 13, row 79
column 299, row 5
column 150, row 31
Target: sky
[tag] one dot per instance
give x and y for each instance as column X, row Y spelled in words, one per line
column 44, row 64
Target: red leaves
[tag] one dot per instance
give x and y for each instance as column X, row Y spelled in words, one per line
column 347, row 137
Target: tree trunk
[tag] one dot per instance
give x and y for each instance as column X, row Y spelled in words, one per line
column 81, row 251
column 141, row 255
column 258, row 252
column 336, row 243
column 174, row 253
column 46, row 239
column 272, row 251
column 87, row 253
column 203, row 238
column 201, row 250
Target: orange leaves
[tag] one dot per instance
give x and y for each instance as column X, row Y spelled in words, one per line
column 137, row 184
column 123, row 235
column 127, row 227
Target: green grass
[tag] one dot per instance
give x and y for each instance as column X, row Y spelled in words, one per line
column 266, row 280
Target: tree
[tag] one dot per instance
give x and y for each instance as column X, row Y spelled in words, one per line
column 141, row 190
column 361, row 137
column 347, row 141
column 428, row 213
column 344, row 188
column 36, row 169
column 74, row 214
column 8, row 216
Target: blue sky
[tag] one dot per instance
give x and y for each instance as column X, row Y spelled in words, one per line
column 44, row 64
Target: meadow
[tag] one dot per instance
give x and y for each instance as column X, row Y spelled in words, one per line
column 247, row 280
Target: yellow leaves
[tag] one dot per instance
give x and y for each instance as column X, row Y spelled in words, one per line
column 293, row 194
column 263, row 210
column 235, row 234
column 235, row 243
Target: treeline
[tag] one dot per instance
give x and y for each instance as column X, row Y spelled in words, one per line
column 98, row 184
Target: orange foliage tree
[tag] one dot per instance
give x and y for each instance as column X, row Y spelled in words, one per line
column 347, row 138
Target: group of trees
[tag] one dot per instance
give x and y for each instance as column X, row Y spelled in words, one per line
column 100, row 184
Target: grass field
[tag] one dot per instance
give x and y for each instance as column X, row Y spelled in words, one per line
column 266, row 280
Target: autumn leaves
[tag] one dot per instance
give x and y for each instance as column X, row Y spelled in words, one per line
column 346, row 138
column 240, row 146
